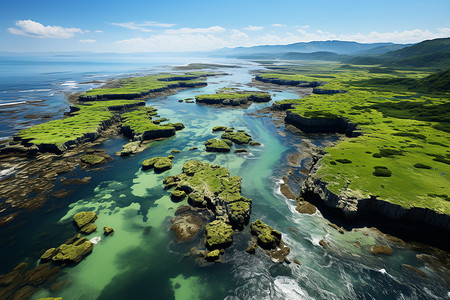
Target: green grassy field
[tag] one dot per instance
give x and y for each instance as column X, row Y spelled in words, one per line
column 89, row 116
column 405, row 134
column 138, row 85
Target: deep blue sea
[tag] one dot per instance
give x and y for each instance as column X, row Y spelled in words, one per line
column 142, row 260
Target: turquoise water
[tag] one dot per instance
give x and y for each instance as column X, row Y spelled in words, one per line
column 142, row 260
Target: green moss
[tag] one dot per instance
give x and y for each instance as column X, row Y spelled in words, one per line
column 219, row 235
column 213, row 184
column 215, row 145
column 237, row 137
column 92, row 159
column 213, row 255
column 219, row 128
column 177, row 195
column 84, row 218
column 268, row 238
column 72, row 253
column 227, row 98
column 160, row 164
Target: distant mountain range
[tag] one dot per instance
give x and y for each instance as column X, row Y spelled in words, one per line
column 431, row 53
column 338, row 47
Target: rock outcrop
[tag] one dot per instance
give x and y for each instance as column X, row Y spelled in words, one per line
column 338, row 125
column 270, row 241
column 159, row 164
column 352, row 206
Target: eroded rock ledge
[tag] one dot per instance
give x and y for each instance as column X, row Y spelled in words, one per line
column 314, row 188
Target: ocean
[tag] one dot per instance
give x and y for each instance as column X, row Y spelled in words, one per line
column 142, row 260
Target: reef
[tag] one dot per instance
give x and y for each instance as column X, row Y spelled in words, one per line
column 212, row 187
column 159, row 164
column 270, row 240
column 234, row 98
column 215, row 145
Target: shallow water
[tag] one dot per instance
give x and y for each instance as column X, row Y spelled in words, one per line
column 142, row 261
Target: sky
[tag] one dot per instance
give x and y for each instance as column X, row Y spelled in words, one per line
column 179, row 26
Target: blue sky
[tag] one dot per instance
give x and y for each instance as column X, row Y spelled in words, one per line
column 160, row 26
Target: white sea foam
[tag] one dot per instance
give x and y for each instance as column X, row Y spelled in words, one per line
column 290, row 288
column 36, row 90
column 95, row 240
column 13, row 103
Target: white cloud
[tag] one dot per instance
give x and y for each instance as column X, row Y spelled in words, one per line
column 185, row 30
column 253, row 28
column 238, row 35
column 406, row 36
column 278, row 25
column 99, row 31
column 88, row 41
column 143, row 26
column 172, row 43
column 35, row 29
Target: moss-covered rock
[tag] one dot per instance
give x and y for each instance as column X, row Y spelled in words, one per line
column 178, row 126
column 175, row 151
column 238, row 137
column 160, row 164
column 219, row 235
column 215, row 145
column 177, row 195
column 268, row 238
column 213, row 255
column 240, row 151
column 196, row 199
column 219, row 128
column 107, row 230
column 81, row 219
column 255, row 143
column 73, row 253
column 92, row 159
column 89, row 228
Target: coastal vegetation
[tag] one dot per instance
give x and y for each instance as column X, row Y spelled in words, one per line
column 399, row 122
column 234, row 98
column 137, row 87
column 88, row 119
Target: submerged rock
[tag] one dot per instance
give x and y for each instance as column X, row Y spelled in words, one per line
column 381, row 249
column 186, row 226
column 241, row 151
column 131, row 148
column 417, row 271
column 254, row 143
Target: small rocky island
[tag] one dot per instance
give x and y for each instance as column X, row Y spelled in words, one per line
column 210, row 186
